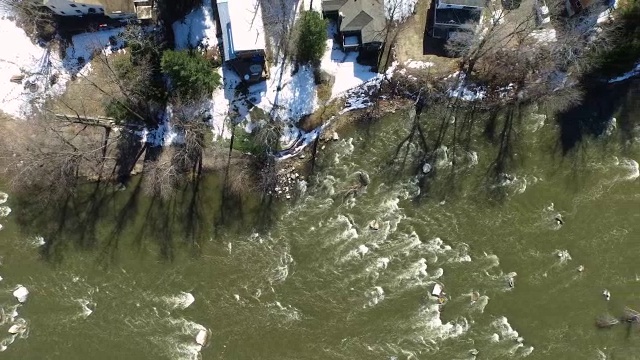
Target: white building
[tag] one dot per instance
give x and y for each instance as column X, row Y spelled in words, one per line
column 243, row 37
column 116, row 9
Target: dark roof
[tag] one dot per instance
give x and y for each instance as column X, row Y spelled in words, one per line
column 474, row 3
column 366, row 16
column 453, row 16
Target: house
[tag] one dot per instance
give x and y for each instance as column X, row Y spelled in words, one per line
column 243, row 40
column 455, row 15
column 115, row 9
column 361, row 23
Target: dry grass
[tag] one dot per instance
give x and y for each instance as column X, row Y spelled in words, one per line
column 87, row 95
column 320, row 116
column 410, row 40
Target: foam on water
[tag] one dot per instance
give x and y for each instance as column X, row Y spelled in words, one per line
column 374, row 296
column 183, row 344
column 87, row 307
column 633, row 170
column 37, row 241
column 281, row 272
column 507, row 336
column 563, row 255
column 180, row 301
column 286, row 312
column 382, row 262
column 429, row 322
column 5, row 211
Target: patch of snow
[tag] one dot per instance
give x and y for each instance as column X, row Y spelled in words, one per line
column 198, row 28
column 313, row 5
column 343, row 67
column 414, row 64
column 85, row 46
column 399, row 10
column 544, row 35
column 302, row 142
column 285, row 95
column 38, row 63
column 627, row 75
column 497, row 17
column 460, row 89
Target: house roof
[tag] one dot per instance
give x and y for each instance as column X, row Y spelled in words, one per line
column 242, row 27
column 332, row 5
column 456, row 16
column 474, row 3
column 366, row 16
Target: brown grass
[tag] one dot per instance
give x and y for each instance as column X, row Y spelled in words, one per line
column 82, row 94
column 409, row 42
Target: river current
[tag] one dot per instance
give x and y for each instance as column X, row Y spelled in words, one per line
column 523, row 257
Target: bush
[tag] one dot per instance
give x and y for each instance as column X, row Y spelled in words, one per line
column 191, row 74
column 312, row 35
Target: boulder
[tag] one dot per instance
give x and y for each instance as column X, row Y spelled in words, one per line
column 202, row 337
column 335, row 136
column 364, row 178
column 17, row 79
column 426, row 168
column 21, row 293
column 374, row 225
column 437, row 290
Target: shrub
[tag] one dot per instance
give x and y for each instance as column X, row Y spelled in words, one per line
column 190, row 73
column 312, row 35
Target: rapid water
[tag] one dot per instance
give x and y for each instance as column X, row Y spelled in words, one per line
column 117, row 275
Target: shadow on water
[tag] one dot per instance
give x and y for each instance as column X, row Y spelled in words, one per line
column 111, row 221
column 591, row 117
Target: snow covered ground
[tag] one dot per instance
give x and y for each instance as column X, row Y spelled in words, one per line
column 197, row 28
column 544, row 35
column 39, row 64
column 343, row 66
column 285, row 95
column 627, row 75
column 399, row 10
column 459, row 88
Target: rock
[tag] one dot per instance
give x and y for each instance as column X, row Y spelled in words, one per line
column 335, row 136
column 426, row 168
column 474, row 352
column 137, row 169
column 288, row 196
column 21, row 293
column 16, row 329
column 437, row 290
column 580, row 268
column 17, row 79
column 364, row 178
column 202, row 337
column 374, row 225
column 302, row 156
column 33, row 87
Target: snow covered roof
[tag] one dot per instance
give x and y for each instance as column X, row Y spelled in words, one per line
column 242, row 27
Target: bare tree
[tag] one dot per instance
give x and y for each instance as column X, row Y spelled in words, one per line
column 49, row 156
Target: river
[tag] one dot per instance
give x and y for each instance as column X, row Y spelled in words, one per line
column 118, row 275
